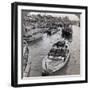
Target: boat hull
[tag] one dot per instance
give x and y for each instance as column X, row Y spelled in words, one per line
column 51, row 66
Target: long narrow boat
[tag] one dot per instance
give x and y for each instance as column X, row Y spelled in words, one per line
column 33, row 34
column 57, row 57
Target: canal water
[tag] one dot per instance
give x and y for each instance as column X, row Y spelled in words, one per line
column 40, row 48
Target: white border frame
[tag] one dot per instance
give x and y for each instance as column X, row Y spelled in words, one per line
column 47, row 79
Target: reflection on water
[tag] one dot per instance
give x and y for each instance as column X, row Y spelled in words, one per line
column 40, row 48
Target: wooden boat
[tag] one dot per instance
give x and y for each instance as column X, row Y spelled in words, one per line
column 57, row 57
column 33, row 34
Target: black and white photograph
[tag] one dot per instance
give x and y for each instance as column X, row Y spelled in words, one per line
column 49, row 44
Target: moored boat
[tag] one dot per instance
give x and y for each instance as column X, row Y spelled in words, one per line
column 57, row 57
column 33, row 34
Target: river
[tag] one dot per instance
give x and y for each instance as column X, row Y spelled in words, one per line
column 40, row 48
